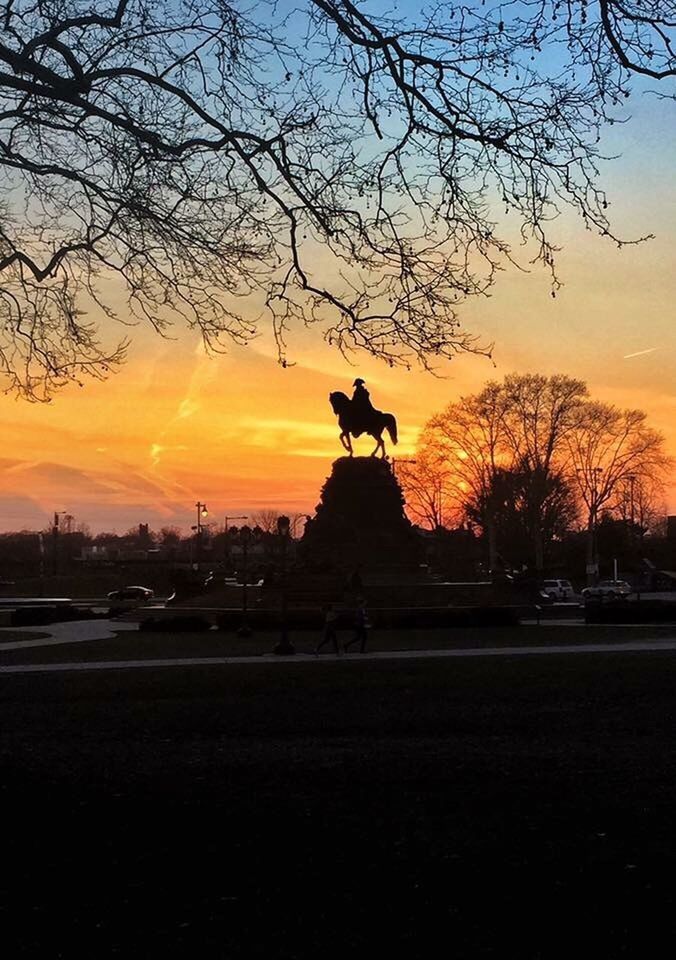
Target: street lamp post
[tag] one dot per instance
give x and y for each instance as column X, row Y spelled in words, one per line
column 597, row 471
column 633, row 539
column 284, row 647
column 592, row 484
column 245, row 534
column 55, row 540
column 201, row 512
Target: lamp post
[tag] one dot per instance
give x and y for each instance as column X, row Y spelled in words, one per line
column 201, row 512
column 632, row 534
column 591, row 483
column 284, row 647
column 245, row 535
column 55, row 540
column 597, row 481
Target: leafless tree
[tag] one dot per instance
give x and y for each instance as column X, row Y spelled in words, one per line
column 424, row 482
column 540, row 413
column 170, row 536
column 611, row 452
column 506, row 445
column 265, row 520
column 162, row 159
column 469, row 439
column 641, row 503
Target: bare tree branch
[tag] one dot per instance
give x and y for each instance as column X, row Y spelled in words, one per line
column 324, row 163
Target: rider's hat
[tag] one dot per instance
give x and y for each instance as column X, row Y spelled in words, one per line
column 357, row 381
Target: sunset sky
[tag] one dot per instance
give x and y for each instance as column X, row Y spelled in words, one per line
column 241, row 433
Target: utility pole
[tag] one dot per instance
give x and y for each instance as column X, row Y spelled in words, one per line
column 55, row 541
column 227, row 522
column 632, row 535
column 201, row 512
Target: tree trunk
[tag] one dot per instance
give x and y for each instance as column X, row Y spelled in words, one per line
column 491, row 534
column 538, row 543
column 590, row 552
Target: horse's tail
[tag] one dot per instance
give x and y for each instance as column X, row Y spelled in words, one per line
column 391, row 427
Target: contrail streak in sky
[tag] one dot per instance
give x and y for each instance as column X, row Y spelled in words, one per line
column 639, row 353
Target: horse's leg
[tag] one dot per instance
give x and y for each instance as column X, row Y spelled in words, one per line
column 347, row 443
column 379, row 443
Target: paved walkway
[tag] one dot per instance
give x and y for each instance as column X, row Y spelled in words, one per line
column 73, row 631
column 643, row 646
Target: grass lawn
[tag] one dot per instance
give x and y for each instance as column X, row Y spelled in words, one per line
column 499, row 807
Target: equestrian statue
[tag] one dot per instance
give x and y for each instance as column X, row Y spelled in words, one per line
column 358, row 415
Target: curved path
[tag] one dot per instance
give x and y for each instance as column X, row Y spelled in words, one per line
column 72, row 631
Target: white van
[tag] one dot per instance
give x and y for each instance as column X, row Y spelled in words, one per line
column 557, row 589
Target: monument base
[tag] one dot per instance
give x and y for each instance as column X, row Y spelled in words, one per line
column 360, row 522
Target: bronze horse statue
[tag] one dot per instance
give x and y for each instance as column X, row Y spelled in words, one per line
column 374, row 424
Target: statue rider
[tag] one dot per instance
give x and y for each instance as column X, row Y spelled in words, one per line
column 362, row 408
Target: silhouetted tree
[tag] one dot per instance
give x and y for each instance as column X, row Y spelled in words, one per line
column 505, row 445
column 525, row 456
column 539, row 414
column 612, row 452
column 170, row 536
column 642, row 501
column 266, row 519
column 518, row 527
column 187, row 154
column 423, row 483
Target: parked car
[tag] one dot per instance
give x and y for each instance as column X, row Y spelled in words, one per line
column 557, row 589
column 131, row 593
column 608, row 590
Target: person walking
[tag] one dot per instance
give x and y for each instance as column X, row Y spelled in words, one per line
column 361, row 627
column 329, row 634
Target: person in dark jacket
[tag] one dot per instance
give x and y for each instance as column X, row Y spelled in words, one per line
column 361, row 627
column 329, row 634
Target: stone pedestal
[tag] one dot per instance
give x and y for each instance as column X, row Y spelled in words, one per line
column 360, row 520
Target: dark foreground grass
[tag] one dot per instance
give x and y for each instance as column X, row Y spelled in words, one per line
column 511, row 807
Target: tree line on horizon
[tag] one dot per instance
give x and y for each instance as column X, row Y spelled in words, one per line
column 530, row 459
column 259, row 522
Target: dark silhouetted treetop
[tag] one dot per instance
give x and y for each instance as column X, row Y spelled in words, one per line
column 540, row 450
column 324, row 161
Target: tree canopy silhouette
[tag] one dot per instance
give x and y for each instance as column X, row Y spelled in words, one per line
column 537, row 453
column 330, row 160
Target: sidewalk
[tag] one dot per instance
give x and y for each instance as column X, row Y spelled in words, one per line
column 644, row 646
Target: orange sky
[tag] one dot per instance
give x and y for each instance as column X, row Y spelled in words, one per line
column 241, row 433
